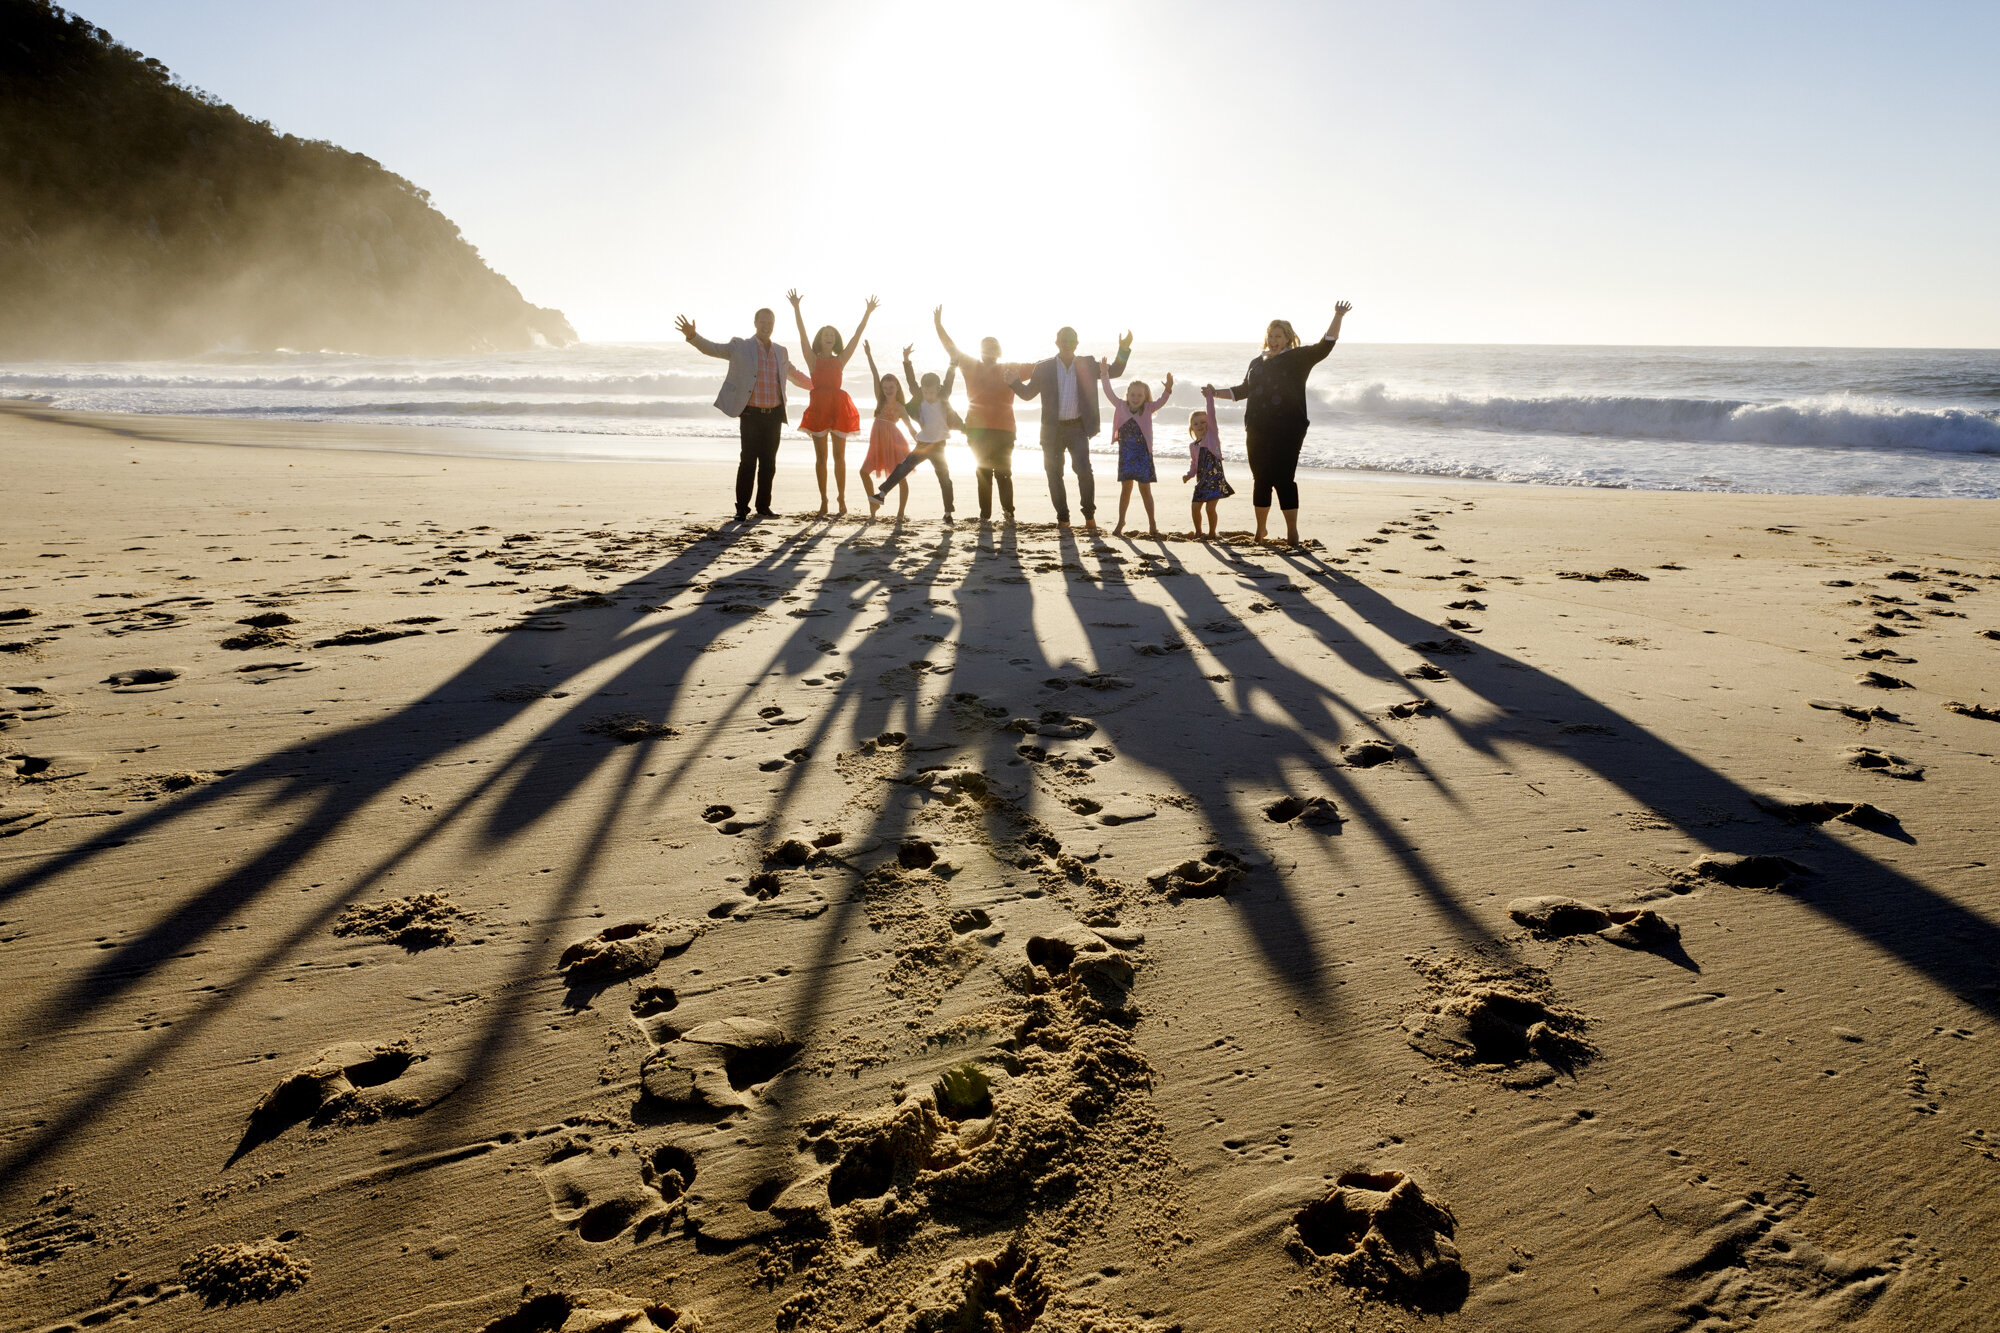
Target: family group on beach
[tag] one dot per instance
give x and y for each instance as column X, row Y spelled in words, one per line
column 1273, row 392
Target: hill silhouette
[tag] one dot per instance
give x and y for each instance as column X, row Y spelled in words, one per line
column 143, row 218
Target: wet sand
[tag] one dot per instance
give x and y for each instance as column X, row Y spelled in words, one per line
column 442, row 893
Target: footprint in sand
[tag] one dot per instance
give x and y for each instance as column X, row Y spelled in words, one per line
column 365, row 635
column 1315, row 812
column 1801, row 808
column 1882, row 680
column 1499, row 1019
column 1979, row 711
column 141, row 680
column 1555, row 917
column 1214, row 874
column 418, row 922
column 605, row 1191
column 1406, row 709
column 1380, row 1232
column 1371, row 754
column 716, row 1067
column 1756, row 871
column 1881, row 761
column 355, row 1083
column 593, row 1309
column 1427, row 671
column 627, row 949
column 629, row 728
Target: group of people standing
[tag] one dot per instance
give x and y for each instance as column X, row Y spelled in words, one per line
column 1067, row 385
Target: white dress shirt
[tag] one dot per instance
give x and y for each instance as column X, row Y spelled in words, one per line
column 1068, row 409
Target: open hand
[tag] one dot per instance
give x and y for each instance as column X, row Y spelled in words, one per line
column 907, row 349
column 1342, row 307
column 1168, row 386
column 685, row 326
column 794, row 297
column 872, row 303
column 1125, row 342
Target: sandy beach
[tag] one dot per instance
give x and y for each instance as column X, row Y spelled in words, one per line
column 451, row 894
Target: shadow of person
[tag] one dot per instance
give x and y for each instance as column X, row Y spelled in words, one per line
column 317, row 790
column 1950, row 944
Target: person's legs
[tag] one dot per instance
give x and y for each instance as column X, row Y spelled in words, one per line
column 746, row 460
column 1194, row 517
column 1077, row 445
column 902, row 499
column 1284, row 478
column 763, row 429
column 1001, row 461
column 819, row 468
column 943, row 470
column 1258, row 448
column 1124, row 502
column 899, row 472
column 1052, row 465
column 982, row 470
column 1211, row 518
column 1146, row 499
column 839, row 474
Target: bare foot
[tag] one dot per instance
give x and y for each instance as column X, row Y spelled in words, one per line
column 1090, row 525
column 1119, row 530
column 1063, row 523
column 1153, row 533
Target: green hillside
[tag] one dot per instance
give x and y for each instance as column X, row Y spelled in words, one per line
column 143, row 218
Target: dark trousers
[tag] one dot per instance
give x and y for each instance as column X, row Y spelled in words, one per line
column 762, row 428
column 1068, row 438
column 1274, row 464
column 994, row 449
column 935, row 457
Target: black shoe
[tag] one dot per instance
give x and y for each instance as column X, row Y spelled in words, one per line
column 767, row 513
column 742, row 516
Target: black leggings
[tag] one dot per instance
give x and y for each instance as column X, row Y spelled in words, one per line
column 1274, row 463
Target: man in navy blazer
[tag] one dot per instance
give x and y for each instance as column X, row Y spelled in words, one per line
column 1067, row 385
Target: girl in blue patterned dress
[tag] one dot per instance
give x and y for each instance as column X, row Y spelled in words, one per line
column 1132, row 428
column 1205, row 463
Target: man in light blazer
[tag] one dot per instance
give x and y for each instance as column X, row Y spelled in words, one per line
column 1067, row 385
column 753, row 391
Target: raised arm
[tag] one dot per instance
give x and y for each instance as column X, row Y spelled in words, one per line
column 1111, row 395
column 701, row 344
column 1340, row 309
column 1024, row 388
column 859, row 329
column 874, row 375
column 805, row 343
column 1124, row 353
column 1166, row 392
column 950, row 378
column 950, row 347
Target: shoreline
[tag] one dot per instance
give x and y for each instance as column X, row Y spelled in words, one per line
column 477, row 878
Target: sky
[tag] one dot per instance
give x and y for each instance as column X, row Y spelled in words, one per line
column 1791, row 174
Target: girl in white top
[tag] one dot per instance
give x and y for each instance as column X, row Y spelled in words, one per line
column 933, row 420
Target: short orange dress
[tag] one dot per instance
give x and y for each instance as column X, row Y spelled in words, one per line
column 887, row 446
column 829, row 410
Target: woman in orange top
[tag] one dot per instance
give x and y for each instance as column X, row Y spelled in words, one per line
column 829, row 412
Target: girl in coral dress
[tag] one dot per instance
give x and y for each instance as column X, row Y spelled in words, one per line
column 829, row 412
column 887, row 445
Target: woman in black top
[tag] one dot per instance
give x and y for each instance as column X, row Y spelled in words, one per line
column 1273, row 393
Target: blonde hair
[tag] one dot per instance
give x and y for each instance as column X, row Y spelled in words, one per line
column 1291, row 335
column 1198, row 415
column 1140, row 384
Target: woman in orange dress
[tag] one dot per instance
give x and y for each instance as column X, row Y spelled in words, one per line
column 887, row 446
column 829, row 412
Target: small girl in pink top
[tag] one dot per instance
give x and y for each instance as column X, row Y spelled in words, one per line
column 1132, row 428
column 1205, row 463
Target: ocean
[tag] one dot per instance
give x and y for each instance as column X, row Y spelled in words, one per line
column 1784, row 420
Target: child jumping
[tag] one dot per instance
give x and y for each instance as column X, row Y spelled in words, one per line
column 1132, row 428
column 887, row 448
column 1205, row 463
column 934, row 420
column 829, row 412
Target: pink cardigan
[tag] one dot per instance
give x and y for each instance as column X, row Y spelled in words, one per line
column 1210, row 440
column 1120, row 413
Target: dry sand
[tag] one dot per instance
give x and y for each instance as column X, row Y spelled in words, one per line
column 443, row 894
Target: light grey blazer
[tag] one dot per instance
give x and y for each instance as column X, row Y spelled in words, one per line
column 742, row 376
